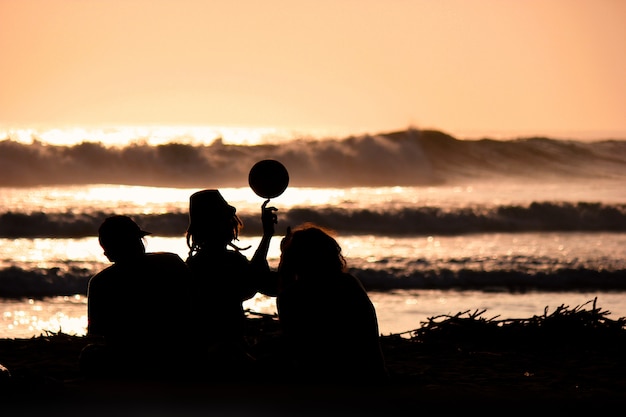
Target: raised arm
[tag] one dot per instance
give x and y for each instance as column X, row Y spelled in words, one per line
column 267, row 279
column 268, row 219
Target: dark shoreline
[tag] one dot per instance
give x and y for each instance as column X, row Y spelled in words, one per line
column 572, row 358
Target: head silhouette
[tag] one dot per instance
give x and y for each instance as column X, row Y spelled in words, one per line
column 310, row 250
column 121, row 238
column 212, row 221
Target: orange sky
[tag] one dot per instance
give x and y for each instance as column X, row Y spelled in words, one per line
column 466, row 66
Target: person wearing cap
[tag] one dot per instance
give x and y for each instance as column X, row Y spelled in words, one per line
column 224, row 277
column 140, row 306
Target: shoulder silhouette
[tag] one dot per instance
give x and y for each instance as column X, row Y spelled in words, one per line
column 140, row 306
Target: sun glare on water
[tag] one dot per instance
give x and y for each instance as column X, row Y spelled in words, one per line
column 152, row 135
column 24, row 318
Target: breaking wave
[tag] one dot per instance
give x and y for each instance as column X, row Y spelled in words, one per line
column 409, row 157
column 16, row 282
column 536, row 216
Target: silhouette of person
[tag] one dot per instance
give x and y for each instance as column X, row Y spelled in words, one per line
column 224, row 277
column 329, row 323
column 140, row 306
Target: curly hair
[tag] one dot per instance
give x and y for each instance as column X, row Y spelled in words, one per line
column 211, row 231
column 310, row 248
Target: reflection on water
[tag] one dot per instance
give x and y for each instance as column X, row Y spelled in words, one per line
column 31, row 317
column 34, row 317
column 398, row 311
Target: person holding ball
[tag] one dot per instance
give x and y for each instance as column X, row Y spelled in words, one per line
column 223, row 278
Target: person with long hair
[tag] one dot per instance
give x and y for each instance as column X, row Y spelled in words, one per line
column 224, row 277
column 329, row 322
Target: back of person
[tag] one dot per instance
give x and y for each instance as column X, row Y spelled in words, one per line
column 141, row 308
column 333, row 330
column 134, row 304
column 221, row 282
column 328, row 319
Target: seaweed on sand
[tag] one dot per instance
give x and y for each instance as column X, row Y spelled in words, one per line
column 570, row 353
column 574, row 328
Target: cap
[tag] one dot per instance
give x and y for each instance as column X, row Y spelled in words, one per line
column 209, row 203
column 120, row 227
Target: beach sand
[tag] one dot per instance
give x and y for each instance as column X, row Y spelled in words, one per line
column 568, row 361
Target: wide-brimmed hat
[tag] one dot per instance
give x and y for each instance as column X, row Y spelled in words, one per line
column 120, row 227
column 209, row 204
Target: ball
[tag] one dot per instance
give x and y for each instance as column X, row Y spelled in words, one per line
column 268, row 178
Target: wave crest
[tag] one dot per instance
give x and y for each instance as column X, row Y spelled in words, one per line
column 25, row 283
column 537, row 216
column 408, row 157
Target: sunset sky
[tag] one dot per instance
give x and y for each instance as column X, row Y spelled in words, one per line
column 468, row 67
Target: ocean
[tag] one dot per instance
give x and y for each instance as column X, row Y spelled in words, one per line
column 431, row 224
